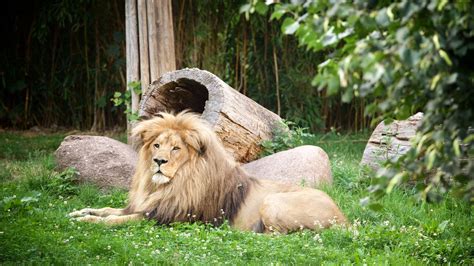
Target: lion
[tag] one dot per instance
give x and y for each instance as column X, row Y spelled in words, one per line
column 184, row 174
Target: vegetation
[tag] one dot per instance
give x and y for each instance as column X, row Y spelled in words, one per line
column 407, row 57
column 63, row 66
column 35, row 201
column 64, row 60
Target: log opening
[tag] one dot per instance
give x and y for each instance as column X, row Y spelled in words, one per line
column 176, row 96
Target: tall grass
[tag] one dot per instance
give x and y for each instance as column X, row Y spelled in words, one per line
column 35, row 201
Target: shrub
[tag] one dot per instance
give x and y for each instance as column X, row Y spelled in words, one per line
column 406, row 56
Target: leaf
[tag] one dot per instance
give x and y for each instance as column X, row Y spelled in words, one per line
column 443, row 225
column 445, row 56
column 333, row 85
column 394, row 181
column 342, row 78
column 277, row 14
column 434, row 81
column 347, row 95
column 402, row 34
column 289, row 26
column 456, row 148
column 261, row 8
column 364, row 201
column 376, row 206
column 382, row 17
column 431, row 159
column 436, row 41
column 441, row 4
column 245, row 8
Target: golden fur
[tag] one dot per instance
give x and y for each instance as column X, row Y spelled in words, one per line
column 185, row 174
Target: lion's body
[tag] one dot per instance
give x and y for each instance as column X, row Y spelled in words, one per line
column 185, row 174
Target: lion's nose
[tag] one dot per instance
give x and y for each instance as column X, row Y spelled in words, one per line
column 160, row 161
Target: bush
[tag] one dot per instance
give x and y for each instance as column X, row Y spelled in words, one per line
column 406, row 56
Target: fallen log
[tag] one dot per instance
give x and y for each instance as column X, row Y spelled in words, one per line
column 241, row 123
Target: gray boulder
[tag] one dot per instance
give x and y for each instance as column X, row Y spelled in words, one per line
column 102, row 161
column 390, row 141
column 307, row 165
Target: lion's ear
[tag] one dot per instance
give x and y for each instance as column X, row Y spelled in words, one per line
column 136, row 138
column 197, row 141
column 141, row 133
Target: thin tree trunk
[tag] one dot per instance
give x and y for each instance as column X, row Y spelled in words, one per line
column 86, row 56
column 143, row 42
column 277, row 81
column 161, row 38
column 99, row 113
column 244, row 60
column 131, row 30
column 27, row 75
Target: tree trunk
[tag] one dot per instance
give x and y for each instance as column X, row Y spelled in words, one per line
column 150, row 44
column 131, row 32
column 161, row 38
column 143, row 41
column 241, row 123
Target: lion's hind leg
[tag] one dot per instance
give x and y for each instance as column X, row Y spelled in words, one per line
column 292, row 211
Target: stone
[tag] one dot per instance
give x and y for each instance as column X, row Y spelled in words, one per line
column 305, row 165
column 99, row 160
column 389, row 142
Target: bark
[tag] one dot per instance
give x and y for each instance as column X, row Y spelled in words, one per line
column 143, row 40
column 131, row 30
column 161, row 38
column 241, row 123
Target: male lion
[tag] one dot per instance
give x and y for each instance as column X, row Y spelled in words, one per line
column 185, row 174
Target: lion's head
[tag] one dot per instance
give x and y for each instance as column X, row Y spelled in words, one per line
column 170, row 142
column 169, row 152
column 183, row 170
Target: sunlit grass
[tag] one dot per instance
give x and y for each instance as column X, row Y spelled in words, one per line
column 34, row 227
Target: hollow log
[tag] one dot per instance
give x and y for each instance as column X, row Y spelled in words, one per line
column 241, row 123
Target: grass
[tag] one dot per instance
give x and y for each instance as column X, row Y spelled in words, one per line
column 34, row 227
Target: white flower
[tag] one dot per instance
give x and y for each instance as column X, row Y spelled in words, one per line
column 318, row 238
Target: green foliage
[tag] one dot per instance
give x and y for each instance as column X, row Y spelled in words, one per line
column 38, row 230
column 63, row 183
column 67, row 59
column 286, row 136
column 125, row 99
column 13, row 203
column 63, row 62
column 406, row 56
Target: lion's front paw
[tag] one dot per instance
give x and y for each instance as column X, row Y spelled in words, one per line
column 89, row 218
column 81, row 213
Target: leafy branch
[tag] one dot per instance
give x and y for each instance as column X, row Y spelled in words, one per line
column 406, row 56
column 125, row 99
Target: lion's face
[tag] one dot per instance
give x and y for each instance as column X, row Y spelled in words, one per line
column 169, row 153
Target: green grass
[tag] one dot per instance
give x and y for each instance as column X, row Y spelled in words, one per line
column 35, row 201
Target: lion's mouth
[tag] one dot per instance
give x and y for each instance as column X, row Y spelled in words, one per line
column 159, row 178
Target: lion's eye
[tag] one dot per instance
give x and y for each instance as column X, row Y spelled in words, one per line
column 176, row 148
column 157, row 145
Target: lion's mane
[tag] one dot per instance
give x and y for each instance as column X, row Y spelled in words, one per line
column 210, row 187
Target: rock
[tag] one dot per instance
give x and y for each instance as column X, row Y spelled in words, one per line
column 390, row 141
column 304, row 165
column 102, row 161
